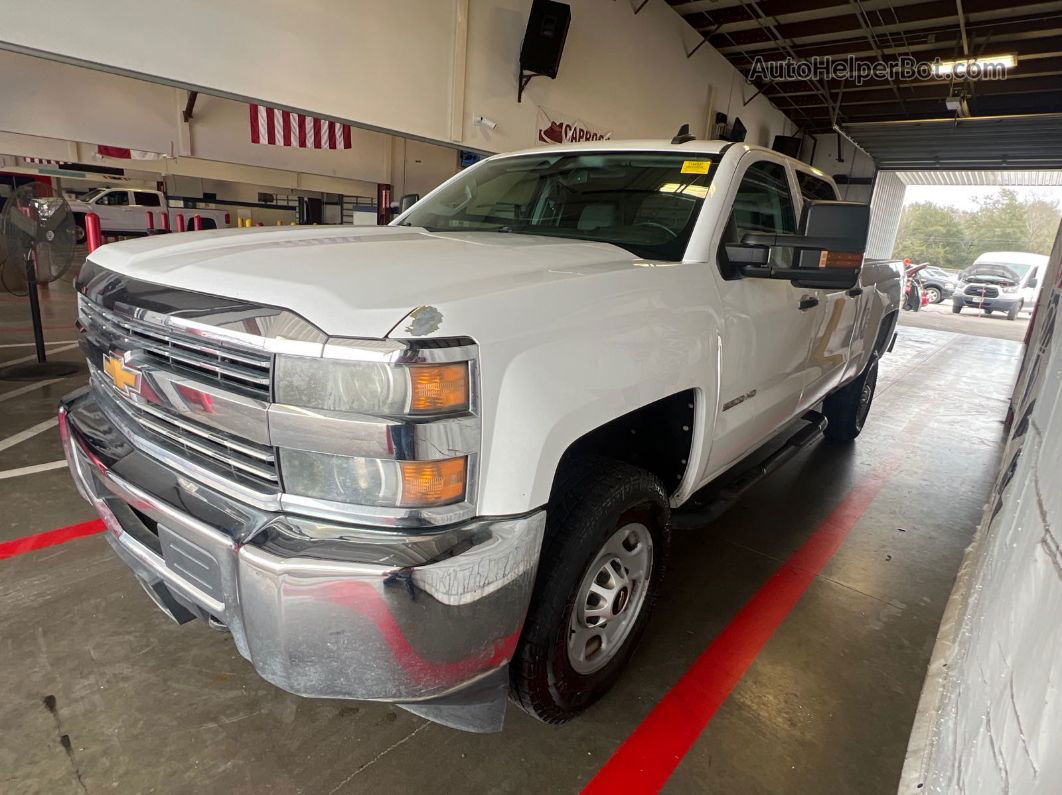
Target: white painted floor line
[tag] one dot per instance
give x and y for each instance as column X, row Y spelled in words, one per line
column 29, row 433
column 31, row 344
column 33, row 356
column 22, row 390
column 30, row 470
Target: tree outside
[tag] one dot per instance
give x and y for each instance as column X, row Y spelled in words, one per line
column 950, row 238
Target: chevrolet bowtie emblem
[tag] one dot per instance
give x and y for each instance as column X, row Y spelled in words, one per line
column 125, row 379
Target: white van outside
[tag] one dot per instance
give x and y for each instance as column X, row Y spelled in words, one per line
column 1007, row 281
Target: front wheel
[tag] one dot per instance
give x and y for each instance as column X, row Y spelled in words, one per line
column 956, row 308
column 607, row 536
column 934, row 296
column 847, row 408
column 1013, row 313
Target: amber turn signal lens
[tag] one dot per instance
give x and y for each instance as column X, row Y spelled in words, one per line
column 436, row 388
column 428, row 483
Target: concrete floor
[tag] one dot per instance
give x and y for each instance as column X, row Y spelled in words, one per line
column 826, row 707
column 969, row 321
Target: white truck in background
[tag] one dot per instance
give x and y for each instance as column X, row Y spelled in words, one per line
column 438, row 462
column 123, row 211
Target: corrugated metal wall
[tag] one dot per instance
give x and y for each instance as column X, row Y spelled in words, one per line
column 885, row 208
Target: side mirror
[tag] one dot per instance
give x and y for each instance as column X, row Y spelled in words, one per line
column 1032, row 281
column 829, row 249
column 408, row 201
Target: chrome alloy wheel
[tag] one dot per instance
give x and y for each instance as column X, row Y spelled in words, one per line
column 610, row 598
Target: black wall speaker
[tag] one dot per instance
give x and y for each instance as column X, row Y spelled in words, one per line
column 787, row 145
column 737, row 131
column 547, row 27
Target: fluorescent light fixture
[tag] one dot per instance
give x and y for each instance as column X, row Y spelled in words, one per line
column 965, row 66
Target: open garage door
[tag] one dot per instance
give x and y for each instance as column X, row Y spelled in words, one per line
column 891, row 183
column 992, row 142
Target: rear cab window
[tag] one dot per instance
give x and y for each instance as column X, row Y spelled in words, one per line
column 145, row 198
column 814, row 188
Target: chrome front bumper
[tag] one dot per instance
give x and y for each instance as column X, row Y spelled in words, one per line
column 428, row 620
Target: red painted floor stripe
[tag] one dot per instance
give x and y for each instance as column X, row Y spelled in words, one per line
column 20, row 546
column 648, row 757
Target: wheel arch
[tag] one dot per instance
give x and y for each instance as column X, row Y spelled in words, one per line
column 657, row 437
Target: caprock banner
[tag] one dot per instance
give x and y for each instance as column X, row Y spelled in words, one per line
column 555, row 128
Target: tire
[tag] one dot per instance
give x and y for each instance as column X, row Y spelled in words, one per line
column 934, row 295
column 556, row 671
column 988, row 312
column 848, row 407
column 956, row 308
column 208, row 223
column 1014, row 310
column 80, row 235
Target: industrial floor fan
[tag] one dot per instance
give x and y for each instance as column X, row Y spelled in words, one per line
column 37, row 245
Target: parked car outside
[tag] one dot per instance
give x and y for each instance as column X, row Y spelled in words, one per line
column 1006, row 281
column 938, row 283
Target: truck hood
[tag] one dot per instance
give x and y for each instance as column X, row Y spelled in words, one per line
column 362, row 281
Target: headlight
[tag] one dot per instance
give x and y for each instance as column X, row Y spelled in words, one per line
column 373, row 481
column 1011, row 289
column 387, row 390
column 385, row 428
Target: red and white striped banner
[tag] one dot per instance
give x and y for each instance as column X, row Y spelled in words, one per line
column 124, row 153
column 284, row 128
column 39, row 161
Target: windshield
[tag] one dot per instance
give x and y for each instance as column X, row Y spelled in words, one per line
column 999, row 270
column 644, row 202
column 92, row 194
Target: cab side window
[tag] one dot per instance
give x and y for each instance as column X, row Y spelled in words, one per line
column 115, row 198
column 763, row 203
column 814, row 189
column 145, row 199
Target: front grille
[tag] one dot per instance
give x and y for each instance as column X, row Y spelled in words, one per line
column 247, row 371
column 240, row 460
column 978, row 290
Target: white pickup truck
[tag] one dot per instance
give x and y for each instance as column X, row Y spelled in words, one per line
column 123, row 211
column 436, row 463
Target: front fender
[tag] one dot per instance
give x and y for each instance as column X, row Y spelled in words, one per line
column 550, row 385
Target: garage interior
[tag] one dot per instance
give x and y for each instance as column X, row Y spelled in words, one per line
column 871, row 618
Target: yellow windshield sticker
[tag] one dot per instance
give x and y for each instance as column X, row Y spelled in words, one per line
column 696, row 166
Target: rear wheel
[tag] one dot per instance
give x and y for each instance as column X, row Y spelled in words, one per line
column 847, row 408
column 988, row 312
column 607, row 535
column 934, row 296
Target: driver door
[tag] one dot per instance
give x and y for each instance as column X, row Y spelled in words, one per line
column 766, row 322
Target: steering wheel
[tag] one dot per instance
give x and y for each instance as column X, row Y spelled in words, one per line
column 671, row 233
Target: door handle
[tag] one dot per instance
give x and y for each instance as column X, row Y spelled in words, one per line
column 807, row 302
column 855, row 291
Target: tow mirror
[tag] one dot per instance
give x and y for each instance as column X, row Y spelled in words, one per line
column 1032, row 281
column 828, row 251
column 408, row 201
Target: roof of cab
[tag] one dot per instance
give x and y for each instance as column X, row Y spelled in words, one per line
column 661, row 145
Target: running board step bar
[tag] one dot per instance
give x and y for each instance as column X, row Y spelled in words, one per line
column 746, row 479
